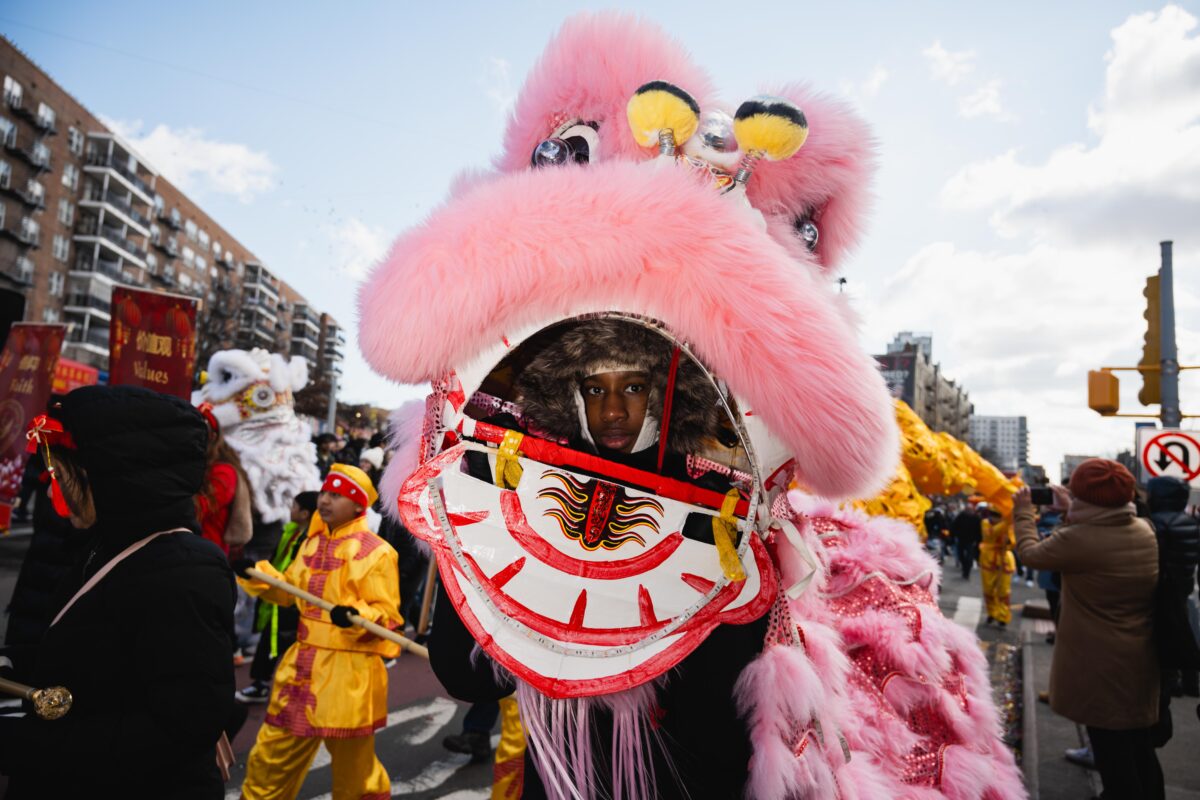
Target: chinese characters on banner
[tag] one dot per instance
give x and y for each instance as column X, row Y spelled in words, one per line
column 152, row 341
column 27, row 367
column 70, row 375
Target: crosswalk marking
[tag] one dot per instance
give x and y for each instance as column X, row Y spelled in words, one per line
column 967, row 612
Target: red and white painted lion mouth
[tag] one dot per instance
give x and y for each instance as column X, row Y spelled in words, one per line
column 619, row 616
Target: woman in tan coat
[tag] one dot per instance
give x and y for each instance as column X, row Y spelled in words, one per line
column 1105, row 670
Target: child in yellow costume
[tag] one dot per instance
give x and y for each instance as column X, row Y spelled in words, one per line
column 331, row 685
column 996, row 566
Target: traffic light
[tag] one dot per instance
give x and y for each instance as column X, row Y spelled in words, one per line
column 1104, row 393
column 1151, row 350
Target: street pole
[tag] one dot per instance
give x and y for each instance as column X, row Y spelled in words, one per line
column 331, row 417
column 1169, row 366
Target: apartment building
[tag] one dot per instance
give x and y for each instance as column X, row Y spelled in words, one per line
column 1005, row 438
column 911, row 375
column 81, row 212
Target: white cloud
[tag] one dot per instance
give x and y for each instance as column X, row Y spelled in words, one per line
column 195, row 163
column 983, row 102
column 1023, row 326
column 497, row 84
column 1139, row 178
column 875, row 81
column 949, row 67
column 355, row 246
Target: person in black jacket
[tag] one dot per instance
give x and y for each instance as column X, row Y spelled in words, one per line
column 967, row 530
column 145, row 650
column 700, row 747
column 1178, row 553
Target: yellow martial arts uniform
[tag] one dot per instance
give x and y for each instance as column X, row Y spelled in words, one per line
column 996, row 567
column 331, row 685
column 508, row 770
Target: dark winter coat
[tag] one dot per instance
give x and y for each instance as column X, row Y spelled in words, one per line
column 145, row 653
column 1178, row 533
column 53, row 548
column 967, row 528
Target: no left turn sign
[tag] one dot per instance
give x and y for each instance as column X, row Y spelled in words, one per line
column 1173, row 453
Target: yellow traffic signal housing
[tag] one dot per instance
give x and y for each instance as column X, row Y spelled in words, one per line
column 1104, row 392
column 1151, row 350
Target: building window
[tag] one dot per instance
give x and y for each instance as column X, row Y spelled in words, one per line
column 189, row 228
column 217, row 250
column 40, row 154
column 75, row 141
column 189, row 256
column 204, row 240
column 30, row 230
column 158, row 204
column 175, row 217
column 50, row 315
column 8, row 132
column 5, row 175
column 70, row 177
column 12, row 92
column 35, row 193
column 1, row 216
column 66, row 212
column 61, row 248
column 185, row 281
column 56, row 283
column 45, row 116
column 201, row 264
column 152, row 263
column 155, row 234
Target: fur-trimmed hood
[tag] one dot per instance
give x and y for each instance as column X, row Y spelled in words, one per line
column 547, row 386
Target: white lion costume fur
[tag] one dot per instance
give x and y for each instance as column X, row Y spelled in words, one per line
column 251, row 393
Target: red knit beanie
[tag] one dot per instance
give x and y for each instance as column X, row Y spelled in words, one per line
column 1102, row 483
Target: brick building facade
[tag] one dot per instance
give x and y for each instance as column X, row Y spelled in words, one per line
column 80, row 212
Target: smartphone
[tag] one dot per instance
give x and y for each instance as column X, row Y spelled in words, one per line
column 1041, row 496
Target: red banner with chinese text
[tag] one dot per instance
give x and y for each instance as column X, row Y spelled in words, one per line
column 27, row 367
column 70, row 375
column 152, row 341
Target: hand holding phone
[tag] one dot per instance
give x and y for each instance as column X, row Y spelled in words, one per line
column 1041, row 496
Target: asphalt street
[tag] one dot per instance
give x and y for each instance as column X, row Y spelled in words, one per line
column 421, row 715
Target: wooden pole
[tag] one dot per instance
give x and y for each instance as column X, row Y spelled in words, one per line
column 378, row 630
column 427, row 598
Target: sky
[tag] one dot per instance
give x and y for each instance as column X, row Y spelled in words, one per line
column 1032, row 155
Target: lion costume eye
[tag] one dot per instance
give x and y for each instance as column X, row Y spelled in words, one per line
column 574, row 142
column 263, row 397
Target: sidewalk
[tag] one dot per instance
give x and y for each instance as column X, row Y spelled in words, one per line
column 1058, row 778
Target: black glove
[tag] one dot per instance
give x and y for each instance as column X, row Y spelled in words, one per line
column 241, row 565
column 340, row 615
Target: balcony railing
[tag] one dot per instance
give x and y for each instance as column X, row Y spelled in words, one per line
column 95, row 195
column 83, row 300
column 110, row 269
column 96, row 159
column 89, row 226
column 97, row 337
column 20, row 269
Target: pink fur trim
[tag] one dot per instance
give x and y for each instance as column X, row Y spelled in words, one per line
column 482, row 267
column 589, row 71
column 404, row 439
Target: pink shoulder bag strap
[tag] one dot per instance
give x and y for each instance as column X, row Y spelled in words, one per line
column 107, row 568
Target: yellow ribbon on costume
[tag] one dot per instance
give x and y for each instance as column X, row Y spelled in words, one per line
column 725, row 534
column 508, row 469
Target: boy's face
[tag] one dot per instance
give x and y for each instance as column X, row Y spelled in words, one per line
column 299, row 515
column 336, row 509
column 615, row 404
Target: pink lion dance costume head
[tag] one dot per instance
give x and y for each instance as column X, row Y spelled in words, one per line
column 634, row 223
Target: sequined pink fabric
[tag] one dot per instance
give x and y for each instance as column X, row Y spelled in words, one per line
column 865, row 689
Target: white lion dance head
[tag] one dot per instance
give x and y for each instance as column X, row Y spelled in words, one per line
column 251, row 396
